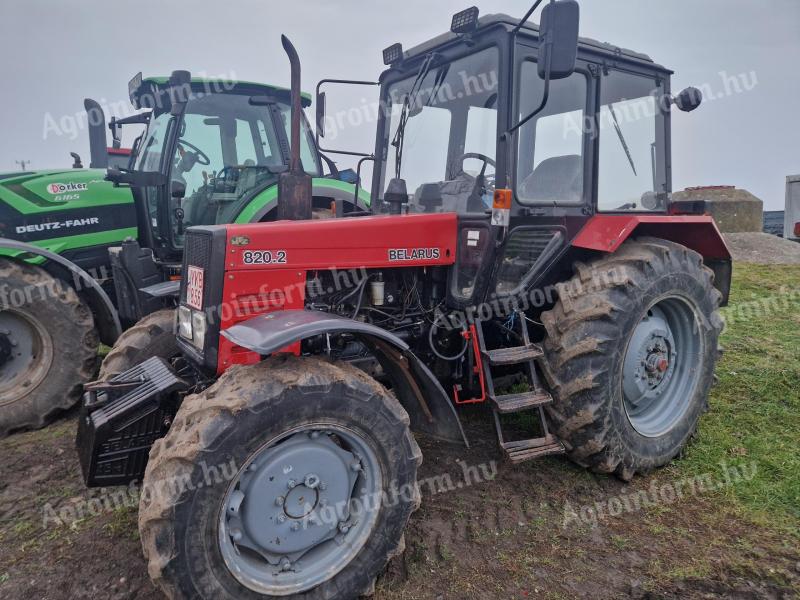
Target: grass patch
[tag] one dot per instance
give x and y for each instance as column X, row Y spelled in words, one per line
column 754, row 420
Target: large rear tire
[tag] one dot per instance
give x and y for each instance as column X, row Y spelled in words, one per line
column 235, row 496
column 630, row 353
column 152, row 336
column 48, row 347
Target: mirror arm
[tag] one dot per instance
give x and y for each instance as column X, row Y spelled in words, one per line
column 358, row 178
column 522, row 21
column 545, row 98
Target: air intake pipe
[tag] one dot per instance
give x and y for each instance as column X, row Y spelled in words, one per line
column 294, row 186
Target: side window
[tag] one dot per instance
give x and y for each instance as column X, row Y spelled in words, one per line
column 307, row 156
column 550, row 151
column 631, row 126
column 245, row 148
column 481, row 138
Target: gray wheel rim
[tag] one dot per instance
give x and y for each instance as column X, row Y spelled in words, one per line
column 663, row 362
column 300, row 510
column 27, row 353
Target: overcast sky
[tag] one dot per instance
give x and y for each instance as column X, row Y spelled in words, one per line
column 56, row 52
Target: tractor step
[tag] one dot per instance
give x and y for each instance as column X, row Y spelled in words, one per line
column 512, row 403
column 514, row 355
column 534, row 448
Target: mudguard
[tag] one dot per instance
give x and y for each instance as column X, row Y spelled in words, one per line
column 416, row 388
column 106, row 317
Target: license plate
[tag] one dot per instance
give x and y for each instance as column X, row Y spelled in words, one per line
column 194, row 288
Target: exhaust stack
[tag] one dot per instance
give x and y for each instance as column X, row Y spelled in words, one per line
column 96, row 120
column 294, row 186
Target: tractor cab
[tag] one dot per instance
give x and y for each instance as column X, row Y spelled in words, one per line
column 554, row 128
column 211, row 153
column 209, row 148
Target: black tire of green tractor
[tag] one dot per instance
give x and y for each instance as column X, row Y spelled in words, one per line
column 152, row 336
column 70, row 339
column 246, row 407
column 586, row 338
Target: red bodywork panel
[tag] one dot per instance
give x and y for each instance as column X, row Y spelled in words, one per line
column 606, row 233
column 266, row 263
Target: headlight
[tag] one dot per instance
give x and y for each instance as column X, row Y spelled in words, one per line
column 185, row 322
column 199, row 325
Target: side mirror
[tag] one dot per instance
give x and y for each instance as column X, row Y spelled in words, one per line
column 320, row 108
column 689, row 99
column 558, row 34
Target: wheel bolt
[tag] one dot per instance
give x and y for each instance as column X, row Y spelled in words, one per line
column 344, row 527
column 236, row 534
column 311, row 481
column 356, row 466
column 281, row 519
column 295, row 526
column 291, row 483
column 285, row 564
column 279, row 501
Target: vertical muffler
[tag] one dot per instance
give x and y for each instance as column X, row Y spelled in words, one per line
column 294, row 185
column 96, row 119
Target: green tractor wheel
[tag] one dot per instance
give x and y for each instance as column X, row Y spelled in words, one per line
column 48, row 347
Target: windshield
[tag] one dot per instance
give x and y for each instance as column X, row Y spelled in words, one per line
column 226, row 149
column 442, row 133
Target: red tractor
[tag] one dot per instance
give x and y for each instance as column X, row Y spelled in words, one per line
column 521, row 231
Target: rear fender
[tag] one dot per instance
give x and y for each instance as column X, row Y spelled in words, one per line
column 416, row 388
column 606, row 233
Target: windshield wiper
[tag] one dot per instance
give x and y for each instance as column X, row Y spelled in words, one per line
column 408, row 101
column 622, row 137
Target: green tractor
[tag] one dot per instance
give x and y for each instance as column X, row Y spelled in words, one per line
column 87, row 253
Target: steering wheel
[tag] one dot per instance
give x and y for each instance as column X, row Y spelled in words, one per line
column 475, row 200
column 200, row 156
column 477, row 155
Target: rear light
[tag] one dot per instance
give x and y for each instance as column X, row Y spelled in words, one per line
column 797, row 229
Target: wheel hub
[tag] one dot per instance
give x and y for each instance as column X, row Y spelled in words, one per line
column 287, row 518
column 25, row 354
column 661, row 367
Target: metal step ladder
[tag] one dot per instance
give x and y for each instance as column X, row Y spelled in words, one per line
column 532, row 400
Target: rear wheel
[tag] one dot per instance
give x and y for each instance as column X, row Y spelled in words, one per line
column 291, row 478
column 48, row 347
column 630, row 353
column 152, row 336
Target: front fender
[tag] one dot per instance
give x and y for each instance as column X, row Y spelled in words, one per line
column 414, row 385
column 105, row 313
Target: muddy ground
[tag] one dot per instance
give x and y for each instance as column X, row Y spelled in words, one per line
column 485, row 530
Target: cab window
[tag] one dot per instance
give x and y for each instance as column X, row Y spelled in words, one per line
column 631, row 130
column 551, row 145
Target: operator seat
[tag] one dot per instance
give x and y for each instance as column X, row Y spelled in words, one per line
column 454, row 193
column 556, row 179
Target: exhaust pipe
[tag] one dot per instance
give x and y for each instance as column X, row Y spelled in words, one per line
column 96, row 120
column 294, row 186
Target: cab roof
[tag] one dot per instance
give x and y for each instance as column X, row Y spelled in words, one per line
column 232, row 85
column 531, row 28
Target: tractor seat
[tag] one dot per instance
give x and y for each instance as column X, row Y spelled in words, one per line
column 454, row 194
column 557, row 179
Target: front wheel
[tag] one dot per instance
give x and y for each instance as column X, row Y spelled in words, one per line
column 630, row 353
column 151, row 336
column 291, row 478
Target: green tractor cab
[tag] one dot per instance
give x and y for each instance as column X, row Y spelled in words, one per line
column 211, row 153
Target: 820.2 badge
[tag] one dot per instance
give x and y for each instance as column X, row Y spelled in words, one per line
column 264, row 257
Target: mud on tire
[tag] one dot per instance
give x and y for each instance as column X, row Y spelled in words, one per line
column 234, row 420
column 588, row 332
column 51, row 333
column 151, row 336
